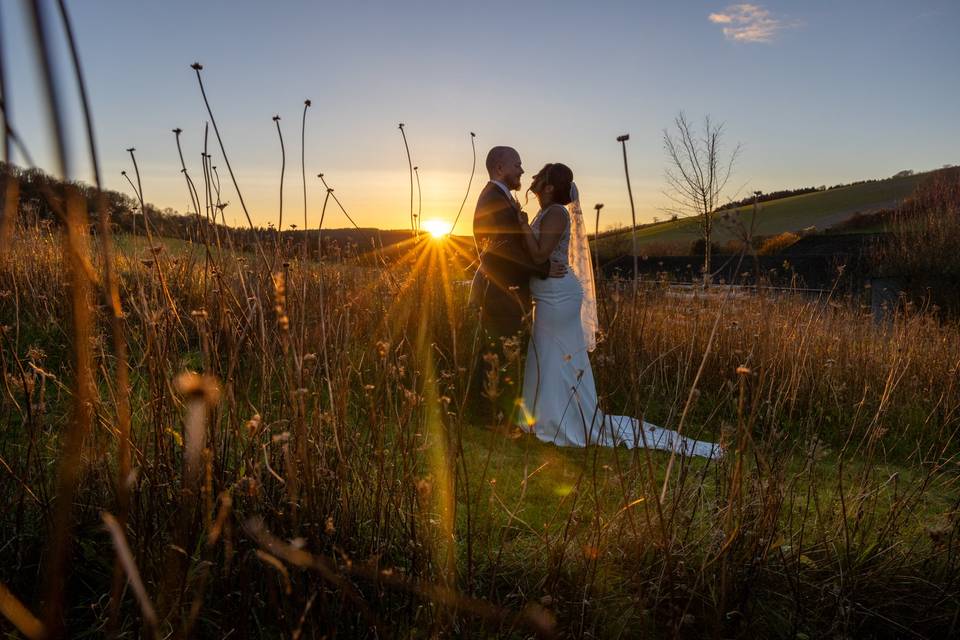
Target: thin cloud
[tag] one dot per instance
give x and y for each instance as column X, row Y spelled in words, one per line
column 721, row 18
column 749, row 23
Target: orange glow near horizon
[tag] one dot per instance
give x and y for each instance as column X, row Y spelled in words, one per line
column 437, row 228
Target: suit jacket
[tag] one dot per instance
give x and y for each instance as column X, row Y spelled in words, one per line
column 505, row 261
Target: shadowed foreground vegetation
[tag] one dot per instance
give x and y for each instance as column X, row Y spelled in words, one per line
column 258, row 446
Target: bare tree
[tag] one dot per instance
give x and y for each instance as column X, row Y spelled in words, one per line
column 697, row 173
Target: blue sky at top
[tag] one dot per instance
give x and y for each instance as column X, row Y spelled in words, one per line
column 817, row 92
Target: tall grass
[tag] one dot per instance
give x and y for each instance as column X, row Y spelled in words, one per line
column 347, row 489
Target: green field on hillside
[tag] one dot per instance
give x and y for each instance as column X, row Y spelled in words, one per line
column 822, row 209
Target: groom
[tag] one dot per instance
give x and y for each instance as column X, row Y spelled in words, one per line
column 501, row 286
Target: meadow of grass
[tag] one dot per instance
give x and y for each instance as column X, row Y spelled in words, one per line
column 262, row 446
column 821, row 209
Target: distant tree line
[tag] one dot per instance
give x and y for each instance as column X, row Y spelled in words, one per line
column 41, row 195
column 773, row 195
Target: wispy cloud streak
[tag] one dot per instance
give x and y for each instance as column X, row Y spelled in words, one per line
column 750, row 23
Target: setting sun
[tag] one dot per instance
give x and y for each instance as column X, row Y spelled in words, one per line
column 437, row 228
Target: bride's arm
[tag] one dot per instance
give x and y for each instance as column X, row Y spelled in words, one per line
column 552, row 226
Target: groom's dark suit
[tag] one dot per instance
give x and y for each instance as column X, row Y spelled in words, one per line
column 501, row 286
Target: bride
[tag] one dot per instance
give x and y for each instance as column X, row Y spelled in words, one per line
column 559, row 395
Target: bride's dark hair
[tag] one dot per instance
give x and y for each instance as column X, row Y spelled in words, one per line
column 558, row 175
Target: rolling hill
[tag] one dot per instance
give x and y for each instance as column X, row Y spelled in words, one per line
column 821, row 209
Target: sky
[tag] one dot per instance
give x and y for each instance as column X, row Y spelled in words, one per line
column 816, row 92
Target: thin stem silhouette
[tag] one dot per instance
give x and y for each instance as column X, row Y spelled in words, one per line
column 419, row 218
column 191, row 188
column 303, row 171
column 337, row 200
column 82, row 87
column 197, row 67
column 4, row 107
column 413, row 224
column 39, row 23
column 633, row 212
column 596, row 241
column 283, row 167
column 473, row 170
column 153, row 248
column 303, row 176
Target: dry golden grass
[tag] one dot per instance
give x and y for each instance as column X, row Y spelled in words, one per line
column 325, row 472
column 776, row 244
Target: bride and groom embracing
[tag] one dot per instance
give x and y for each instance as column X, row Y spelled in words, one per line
column 544, row 266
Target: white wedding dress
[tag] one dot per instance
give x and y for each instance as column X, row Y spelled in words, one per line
column 559, row 395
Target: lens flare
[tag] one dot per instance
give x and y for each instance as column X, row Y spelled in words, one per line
column 437, row 228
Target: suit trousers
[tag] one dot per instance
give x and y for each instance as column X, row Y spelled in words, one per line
column 497, row 376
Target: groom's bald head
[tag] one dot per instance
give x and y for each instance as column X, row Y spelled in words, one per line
column 503, row 164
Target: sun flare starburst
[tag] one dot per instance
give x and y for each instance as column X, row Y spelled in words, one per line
column 437, row 228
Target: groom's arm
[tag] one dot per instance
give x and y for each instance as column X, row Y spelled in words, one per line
column 510, row 249
column 528, row 263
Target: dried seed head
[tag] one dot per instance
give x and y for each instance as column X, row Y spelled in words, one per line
column 280, row 300
column 253, row 424
column 197, row 386
column 425, row 487
column 511, row 349
column 411, row 397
